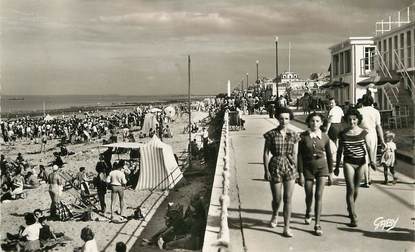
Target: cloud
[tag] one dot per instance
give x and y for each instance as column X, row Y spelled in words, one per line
column 167, row 18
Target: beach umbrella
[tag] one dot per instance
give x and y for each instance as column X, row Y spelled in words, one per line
column 154, row 110
column 170, row 111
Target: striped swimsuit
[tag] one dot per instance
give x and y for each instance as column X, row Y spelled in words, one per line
column 354, row 148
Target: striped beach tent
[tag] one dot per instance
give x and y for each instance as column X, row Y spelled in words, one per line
column 159, row 168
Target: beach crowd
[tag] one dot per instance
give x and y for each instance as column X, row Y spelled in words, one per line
column 18, row 175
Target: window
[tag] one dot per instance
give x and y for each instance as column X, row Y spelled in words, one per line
column 347, row 61
column 389, row 64
column 395, row 49
column 409, row 51
column 401, row 48
column 369, row 58
column 335, row 65
column 341, row 63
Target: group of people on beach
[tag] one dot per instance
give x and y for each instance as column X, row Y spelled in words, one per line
column 79, row 127
column 308, row 158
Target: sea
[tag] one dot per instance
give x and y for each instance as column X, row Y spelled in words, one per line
column 33, row 103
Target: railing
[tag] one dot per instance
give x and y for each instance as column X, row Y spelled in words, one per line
column 396, row 20
column 217, row 230
column 409, row 84
column 385, row 71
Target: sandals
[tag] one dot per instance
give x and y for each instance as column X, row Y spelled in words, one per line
column 273, row 223
column 307, row 220
column 287, row 233
column 353, row 222
column 317, row 230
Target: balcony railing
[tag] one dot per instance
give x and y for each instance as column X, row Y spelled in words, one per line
column 396, row 19
column 367, row 64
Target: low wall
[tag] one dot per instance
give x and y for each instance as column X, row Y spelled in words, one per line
column 217, row 231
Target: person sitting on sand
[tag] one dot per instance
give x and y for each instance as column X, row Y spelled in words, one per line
column 46, row 232
column 182, row 231
column 31, row 233
column 37, row 213
column 17, row 184
column 64, row 151
column 194, row 149
column 88, row 237
column 58, row 160
column 31, row 181
column 120, row 247
column 19, row 158
column 43, row 174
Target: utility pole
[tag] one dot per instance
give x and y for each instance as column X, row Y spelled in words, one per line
column 276, row 64
column 189, row 156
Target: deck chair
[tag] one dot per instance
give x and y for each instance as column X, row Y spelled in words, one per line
column 87, row 197
column 69, row 180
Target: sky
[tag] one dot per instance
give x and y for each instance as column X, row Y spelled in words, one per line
column 140, row 47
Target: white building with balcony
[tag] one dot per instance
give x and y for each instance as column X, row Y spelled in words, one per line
column 346, row 66
column 391, row 66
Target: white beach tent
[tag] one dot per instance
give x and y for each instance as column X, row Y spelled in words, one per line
column 159, row 168
column 48, row 118
column 150, row 122
column 170, row 111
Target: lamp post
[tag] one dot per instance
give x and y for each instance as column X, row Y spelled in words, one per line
column 276, row 64
column 257, row 63
column 247, row 82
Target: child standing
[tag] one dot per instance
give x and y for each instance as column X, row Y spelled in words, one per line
column 388, row 157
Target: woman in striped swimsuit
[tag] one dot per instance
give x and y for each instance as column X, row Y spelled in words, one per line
column 353, row 146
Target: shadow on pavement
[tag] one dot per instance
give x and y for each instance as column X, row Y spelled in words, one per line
column 396, row 234
column 255, row 163
column 261, row 180
column 261, row 225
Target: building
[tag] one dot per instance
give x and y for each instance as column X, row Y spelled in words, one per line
column 393, row 58
column 345, row 68
column 384, row 64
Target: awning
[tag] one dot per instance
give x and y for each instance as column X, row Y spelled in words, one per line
column 335, row 84
column 380, row 79
column 125, row 145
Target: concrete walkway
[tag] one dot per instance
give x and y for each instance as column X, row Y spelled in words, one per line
column 250, row 210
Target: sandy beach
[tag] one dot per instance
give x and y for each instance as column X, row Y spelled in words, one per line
column 86, row 154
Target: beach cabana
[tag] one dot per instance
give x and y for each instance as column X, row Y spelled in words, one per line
column 48, row 118
column 159, row 168
column 150, row 122
column 170, row 111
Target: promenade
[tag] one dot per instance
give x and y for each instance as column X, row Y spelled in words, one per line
column 250, row 207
